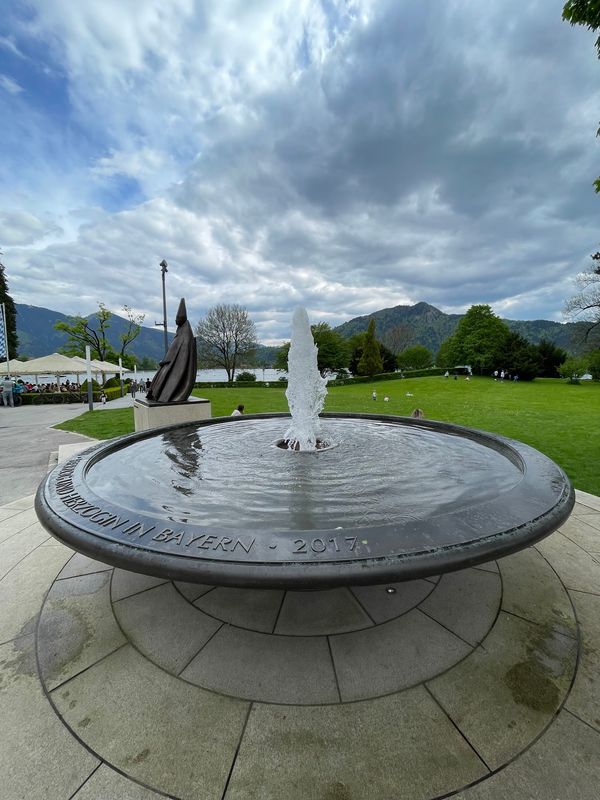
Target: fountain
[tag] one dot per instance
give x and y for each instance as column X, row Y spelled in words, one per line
column 225, row 502
column 306, row 388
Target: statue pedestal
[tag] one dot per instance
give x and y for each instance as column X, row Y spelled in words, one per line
column 148, row 414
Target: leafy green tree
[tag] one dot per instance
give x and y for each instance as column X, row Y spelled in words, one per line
column 333, row 351
column 551, row 357
column 444, row 356
column 370, row 362
column 226, row 337
column 594, row 364
column 356, row 345
column 573, row 368
column 82, row 332
column 479, row 340
column 415, row 357
column 520, row 357
column 11, row 314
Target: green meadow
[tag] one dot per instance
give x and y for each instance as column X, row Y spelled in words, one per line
column 560, row 419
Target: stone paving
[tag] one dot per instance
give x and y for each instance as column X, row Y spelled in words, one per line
column 483, row 683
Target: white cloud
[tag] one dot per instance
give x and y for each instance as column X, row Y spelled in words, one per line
column 21, row 228
column 10, row 85
column 346, row 156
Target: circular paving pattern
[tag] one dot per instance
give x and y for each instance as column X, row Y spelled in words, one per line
column 473, row 666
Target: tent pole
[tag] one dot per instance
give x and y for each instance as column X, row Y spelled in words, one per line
column 90, row 388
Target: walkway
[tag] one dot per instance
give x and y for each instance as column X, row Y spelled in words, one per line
column 480, row 685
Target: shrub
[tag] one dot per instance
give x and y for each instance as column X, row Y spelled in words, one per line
column 112, row 383
column 245, row 376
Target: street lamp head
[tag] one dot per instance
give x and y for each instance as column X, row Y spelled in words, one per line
column 164, row 265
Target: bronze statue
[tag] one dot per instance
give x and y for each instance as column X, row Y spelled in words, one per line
column 176, row 374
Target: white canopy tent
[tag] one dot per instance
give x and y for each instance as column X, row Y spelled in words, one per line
column 13, row 366
column 55, row 364
column 102, row 366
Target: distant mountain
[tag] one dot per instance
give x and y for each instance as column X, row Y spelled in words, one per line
column 397, row 327
column 424, row 324
column 37, row 337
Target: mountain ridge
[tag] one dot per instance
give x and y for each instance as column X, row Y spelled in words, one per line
column 402, row 325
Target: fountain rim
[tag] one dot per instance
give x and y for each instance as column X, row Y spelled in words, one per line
column 553, row 508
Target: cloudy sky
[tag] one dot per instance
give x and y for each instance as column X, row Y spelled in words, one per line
column 345, row 155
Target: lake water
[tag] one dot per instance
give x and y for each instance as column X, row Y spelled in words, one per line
column 203, row 375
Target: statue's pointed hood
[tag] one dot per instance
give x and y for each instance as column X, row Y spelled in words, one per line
column 181, row 313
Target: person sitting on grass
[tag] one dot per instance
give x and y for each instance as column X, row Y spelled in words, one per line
column 237, row 412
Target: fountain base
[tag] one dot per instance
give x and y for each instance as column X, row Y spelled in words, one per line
column 306, row 534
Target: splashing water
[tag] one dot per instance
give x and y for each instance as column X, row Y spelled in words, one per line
column 306, row 388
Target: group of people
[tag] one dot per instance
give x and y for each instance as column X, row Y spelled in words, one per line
column 504, row 375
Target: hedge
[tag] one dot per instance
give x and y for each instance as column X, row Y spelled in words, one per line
column 49, row 398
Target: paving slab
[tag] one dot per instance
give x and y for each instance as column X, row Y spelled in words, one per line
column 587, row 500
column 82, row 565
column 390, row 600
column 107, row 784
column 18, row 521
column 248, row 608
column 580, row 532
column 502, row 697
column 584, row 698
column 489, row 566
column 23, row 589
column 39, row 758
column 320, row 613
column 271, row 669
column 564, row 764
column 124, row 584
column 77, row 627
column 532, row 590
column 192, row 591
column 575, row 568
column 15, row 549
column 402, row 746
column 393, row 656
column 466, row 603
column 164, row 626
column 168, row 735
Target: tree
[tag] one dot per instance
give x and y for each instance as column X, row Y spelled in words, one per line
column 586, row 304
column 585, row 12
column 333, row 351
column 356, row 346
column 133, row 330
column 594, row 364
column 520, row 357
column 93, row 331
column 415, row 357
column 573, row 368
column 11, row 315
column 551, row 357
column 81, row 333
column 370, row 362
column 226, row 336
column 478, row 340
column 444, row 354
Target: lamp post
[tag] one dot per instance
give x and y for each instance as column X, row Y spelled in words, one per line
column 163, row 269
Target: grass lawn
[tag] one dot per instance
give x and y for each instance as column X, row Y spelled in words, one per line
column 560, row 419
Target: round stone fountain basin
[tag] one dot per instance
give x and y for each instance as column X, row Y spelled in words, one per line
column 217, row 502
